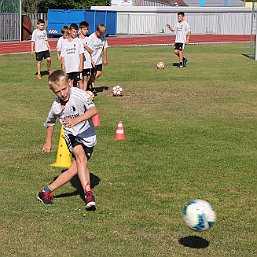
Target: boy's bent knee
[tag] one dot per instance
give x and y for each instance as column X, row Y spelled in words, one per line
column 99, row 73
column 79, row 154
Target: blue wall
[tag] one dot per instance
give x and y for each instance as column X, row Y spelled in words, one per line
column 60, row 17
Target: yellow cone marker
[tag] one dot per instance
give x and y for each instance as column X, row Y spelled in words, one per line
column 63, row 158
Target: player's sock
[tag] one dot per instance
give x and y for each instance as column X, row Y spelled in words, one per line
column 184, row 61
column 47, row 190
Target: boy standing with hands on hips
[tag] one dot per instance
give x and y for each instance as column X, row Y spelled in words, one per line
column 182, row 31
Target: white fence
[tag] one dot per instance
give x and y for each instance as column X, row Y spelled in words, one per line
column 207, row 20
column 200, row 23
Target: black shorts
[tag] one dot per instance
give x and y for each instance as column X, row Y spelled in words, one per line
column 76, row 76
column 86, row 72
column 72, row 141
column 42, row 55
column 98, row 67
column 179, row 46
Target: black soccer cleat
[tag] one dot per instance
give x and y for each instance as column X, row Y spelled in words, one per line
column 89, row 199
column 185, row 61
column 45, row 197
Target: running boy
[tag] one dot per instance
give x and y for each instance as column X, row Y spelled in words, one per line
column 40, row 45
column 87, row 66
column 182, row 31
column 72, row 54
column 98, row 44
column 65, row 34
column 74, row 109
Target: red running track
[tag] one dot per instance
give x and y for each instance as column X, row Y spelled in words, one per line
column 24, row 46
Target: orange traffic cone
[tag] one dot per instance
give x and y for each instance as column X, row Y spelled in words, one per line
column 96, row 120
column 63, row 159
column 120, row 132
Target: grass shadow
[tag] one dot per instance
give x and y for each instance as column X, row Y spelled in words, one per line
column 75, row 182
column 43, row 73
column 194, row 242
column 249, row 56
column 101, row 89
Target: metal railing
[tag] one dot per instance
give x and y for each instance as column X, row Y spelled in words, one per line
column 10, row 25
column 35, row 16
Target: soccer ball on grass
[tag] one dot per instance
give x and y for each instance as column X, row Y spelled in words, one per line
column 199, row 215
column 160, row 65
column 117, row 91
column 91, row 94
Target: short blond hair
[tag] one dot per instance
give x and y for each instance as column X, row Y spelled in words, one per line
column 57, row 78
column 101, row 27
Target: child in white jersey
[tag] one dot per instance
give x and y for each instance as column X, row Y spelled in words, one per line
column 40, row 45
column 72, row 54
column 65, row 34
column 75, row 109
column 98, row 44
column 83, row 28
column 182, row 31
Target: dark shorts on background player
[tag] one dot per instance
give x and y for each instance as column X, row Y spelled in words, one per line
column 86, row 72
column 72, row 141
column 42, row 55
column 98, row 67
column 76, row 76
column 179, row 46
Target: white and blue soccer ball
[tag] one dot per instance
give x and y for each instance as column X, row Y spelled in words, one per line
column 199, row 215
column 117, row 91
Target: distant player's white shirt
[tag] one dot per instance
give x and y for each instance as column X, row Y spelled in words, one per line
column 40, row 38
column 59, row 43
column 181, row 29
column 78, row 103
column 87, row 56
column 97, row 45
column 71, row 51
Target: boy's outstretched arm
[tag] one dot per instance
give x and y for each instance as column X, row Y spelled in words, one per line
column 88, row 49
column 170, row 28
column 68, row 122
column 47, row 147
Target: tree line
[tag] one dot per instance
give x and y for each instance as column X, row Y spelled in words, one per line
column 42, row 6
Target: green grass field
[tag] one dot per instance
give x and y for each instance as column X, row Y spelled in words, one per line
column 191, row 134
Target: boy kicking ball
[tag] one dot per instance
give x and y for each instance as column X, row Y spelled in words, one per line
column 182, row 31
column 75, row 109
